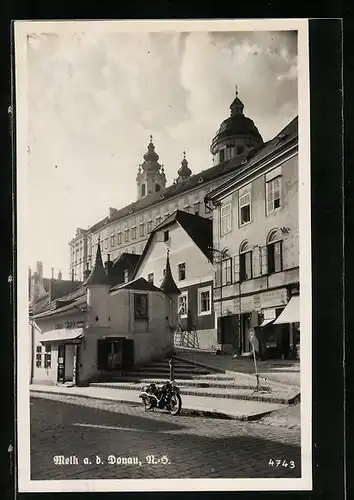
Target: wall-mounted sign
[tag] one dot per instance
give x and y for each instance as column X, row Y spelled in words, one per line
column 70, row 324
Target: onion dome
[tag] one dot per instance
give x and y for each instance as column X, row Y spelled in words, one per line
column 184, row 171
column 236, row 126
column 98, row 275
column 151, row 157
column 168, row 284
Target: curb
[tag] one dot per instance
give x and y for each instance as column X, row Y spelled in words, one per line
column 195, row 412
column 245, row 397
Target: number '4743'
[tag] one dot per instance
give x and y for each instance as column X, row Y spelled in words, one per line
column 281, row 463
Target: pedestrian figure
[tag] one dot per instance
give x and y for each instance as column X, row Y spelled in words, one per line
column 172, row 376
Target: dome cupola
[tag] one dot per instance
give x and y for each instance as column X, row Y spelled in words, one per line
column 184, row 171
column 236, row 136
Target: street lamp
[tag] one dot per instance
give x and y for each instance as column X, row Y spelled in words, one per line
column 223, row 254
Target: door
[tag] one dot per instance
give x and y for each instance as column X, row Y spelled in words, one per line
column 245, row 327
column 61, row 363
column 69, row 362
column 115, row 354
column 128, row 354
column 228, row 330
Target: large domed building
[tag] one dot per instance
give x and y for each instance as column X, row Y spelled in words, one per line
column 127, row 230
column 237, row 135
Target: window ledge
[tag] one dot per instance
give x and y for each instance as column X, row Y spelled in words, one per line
column 204, row 313
column 245, row 223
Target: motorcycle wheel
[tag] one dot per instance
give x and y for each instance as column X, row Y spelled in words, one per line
column 175, row 404
column 147, row 404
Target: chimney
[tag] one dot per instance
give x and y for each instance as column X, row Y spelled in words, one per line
column 52, row 273
column 87, row 272
column 60, row 276
column 108, row 265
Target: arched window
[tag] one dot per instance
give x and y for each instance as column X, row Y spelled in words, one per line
column 157, row 187
column 143, row 190
column 245, row 262
column 275, row 252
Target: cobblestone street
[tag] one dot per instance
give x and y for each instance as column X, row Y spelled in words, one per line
column 193, row 447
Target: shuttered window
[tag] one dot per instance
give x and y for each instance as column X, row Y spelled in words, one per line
column 246, row 266
column 225, row 222
column 140, row 305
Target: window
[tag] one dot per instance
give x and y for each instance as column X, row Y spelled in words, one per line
column 222, row 154
column 157, row 187
column 204, row 302
column 119, row 239
column 166, row 215
column 245, row 262
column 133, row 233
column 140, row 305
column 141, row 230
column 275, row 254
column 245, row 208
column 133, row 222
column 149, row 227
column 182, row 271
column 126, row 235
column 126, row 275
column 113, row 242
column 106, row 243
column 141, row 218
column 226, row 274
column 240, row 149
column 225, row 226
column 196, row 208
column 273, row 195
column 133, row 250
column 166, row 236
column 151, row 278
column 143, row 190
column 149, row 215
column 48, row 356
column 158, row 220
column 183, row 304
column 39, row 356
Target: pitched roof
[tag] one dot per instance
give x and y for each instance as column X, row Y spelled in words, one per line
column 129, row 258
column 168, row 284
column 193, row 181
column 98, row 275
column 138, row 284
column 199, row 229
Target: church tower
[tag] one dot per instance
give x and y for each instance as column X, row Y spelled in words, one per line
column 184, row 172
column 151, row 175
column 236, row 136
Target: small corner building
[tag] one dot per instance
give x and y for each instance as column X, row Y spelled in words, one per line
column 110, row 324
column 188, row 239
column 257, row 284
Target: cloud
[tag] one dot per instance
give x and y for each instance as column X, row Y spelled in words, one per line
column 94, row 98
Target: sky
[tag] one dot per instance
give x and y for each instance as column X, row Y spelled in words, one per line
column 95, row 98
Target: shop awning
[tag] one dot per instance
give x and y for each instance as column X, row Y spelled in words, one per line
column 62, row 335
column 291, row 313
column 266, row 322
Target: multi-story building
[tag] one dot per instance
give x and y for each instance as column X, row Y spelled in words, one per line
column 256, row 231
column 128, row 229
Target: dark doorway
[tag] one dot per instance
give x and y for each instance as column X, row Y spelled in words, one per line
column 228, row 330
column 61, row 363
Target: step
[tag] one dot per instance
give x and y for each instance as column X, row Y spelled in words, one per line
column 221, row 384
column 164, row 374
column 243, row 394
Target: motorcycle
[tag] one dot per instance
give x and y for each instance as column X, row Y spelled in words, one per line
column 166, row 396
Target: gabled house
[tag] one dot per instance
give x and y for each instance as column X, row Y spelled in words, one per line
column 188, row 238
column 256, row 223
column 103, row 328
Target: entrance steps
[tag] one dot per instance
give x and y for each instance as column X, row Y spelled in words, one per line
column 196, row 380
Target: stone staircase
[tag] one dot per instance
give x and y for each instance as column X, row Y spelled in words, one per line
column 196, row 380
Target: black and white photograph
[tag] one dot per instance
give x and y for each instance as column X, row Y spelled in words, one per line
column 164, row 258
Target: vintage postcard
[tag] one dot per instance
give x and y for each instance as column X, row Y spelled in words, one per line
column 163, row 245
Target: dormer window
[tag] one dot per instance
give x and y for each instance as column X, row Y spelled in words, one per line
column 157, row 187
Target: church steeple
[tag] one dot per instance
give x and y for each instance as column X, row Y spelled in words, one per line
column 151, row 176
column 237, row 106
column 184, row 171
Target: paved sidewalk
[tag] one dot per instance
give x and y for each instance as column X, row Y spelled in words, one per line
column 204, row 406
column 275, row 371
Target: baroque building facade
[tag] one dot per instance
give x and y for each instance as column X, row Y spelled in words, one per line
column 128, row 229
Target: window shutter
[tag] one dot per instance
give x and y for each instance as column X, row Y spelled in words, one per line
column 128, row 354
column 236, row 268
column 102, row 354
column 257, row 268
column 264, row 260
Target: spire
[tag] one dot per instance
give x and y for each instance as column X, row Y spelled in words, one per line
column 168, row 284
column 237, row 106
column 151, row 156
column 98, row 274
column 184, row 171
